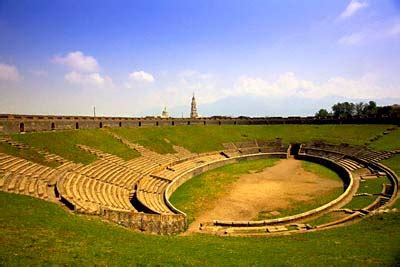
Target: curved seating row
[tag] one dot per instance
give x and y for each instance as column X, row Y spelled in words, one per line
column 25, row 177
column 88, row 195
column 150, row 191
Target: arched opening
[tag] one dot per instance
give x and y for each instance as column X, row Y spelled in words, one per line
column 76, row 125
column 173, row 123
column 294, row 149
column 21, row 127
column 234, row 123
column 53, row 126
column 140, row 123
column 204, row 122
column 101, row 125
column 156, row 123
column 188, row 123
column 120, row 124
column 219, row 122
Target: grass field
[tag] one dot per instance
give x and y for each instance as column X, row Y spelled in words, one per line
column 199, row 138
column 36, row 232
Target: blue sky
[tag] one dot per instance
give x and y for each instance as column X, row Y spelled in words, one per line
column 258, row 58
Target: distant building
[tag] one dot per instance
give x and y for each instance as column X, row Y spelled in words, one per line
column 193, row 109
column 165, row 113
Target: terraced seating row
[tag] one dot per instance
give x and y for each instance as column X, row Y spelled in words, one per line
column 151, row 194
column 335, row 156
column 27, row 168
column 257, row 146
column 111, row 172
column 349, row 164
column 374, row 156
column 246, row 144
column 25, row 177
column 25, row 185
column 340, row 148
column 88, row 195
column 150, row 191
column 229, row 146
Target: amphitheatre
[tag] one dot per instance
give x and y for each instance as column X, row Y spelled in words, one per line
column 218, row 181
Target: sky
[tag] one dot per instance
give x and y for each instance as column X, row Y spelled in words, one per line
column 252, row 58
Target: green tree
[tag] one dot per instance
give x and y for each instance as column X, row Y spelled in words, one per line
column 343, row 110
column 371, row 108
column 322, row 113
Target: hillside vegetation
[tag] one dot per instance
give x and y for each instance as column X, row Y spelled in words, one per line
column 36, row 232
column 199, row 138
column 64, row 143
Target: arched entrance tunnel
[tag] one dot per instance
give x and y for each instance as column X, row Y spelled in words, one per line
column 294, row 149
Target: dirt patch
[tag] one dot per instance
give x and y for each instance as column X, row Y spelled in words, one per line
column 274, row 188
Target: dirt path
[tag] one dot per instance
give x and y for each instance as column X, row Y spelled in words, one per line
column 274, row 188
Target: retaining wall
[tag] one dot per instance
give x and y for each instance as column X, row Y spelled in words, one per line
column 13, row 123
column 152, row 223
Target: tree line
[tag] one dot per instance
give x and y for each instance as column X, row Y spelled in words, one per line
column 361, row 109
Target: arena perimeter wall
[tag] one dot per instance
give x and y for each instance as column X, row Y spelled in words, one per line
column 14, row 123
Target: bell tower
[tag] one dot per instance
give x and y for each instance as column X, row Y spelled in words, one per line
column 193, row 109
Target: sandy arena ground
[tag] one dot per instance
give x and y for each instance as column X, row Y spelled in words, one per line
column 272, row 189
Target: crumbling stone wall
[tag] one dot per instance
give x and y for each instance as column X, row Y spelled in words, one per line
column 151, row 223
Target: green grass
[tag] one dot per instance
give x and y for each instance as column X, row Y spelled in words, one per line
column 208, row 138
column 297, row 207
column 387, row 142
column 394, row 164
column 202, row 191
column 194, row 138
column 64, row 143
column 320, row 170
column 371, row 186
column 36, row 232
column 28, row 154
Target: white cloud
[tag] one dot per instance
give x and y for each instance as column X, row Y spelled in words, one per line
column 289, row 85
column 141, row 76
column 352, row 39
column 9, row 72
column 77, row 61
column 353, row 7
column 88, row 79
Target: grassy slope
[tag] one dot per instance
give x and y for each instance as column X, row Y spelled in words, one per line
column 208, row 138
column 394, row 164
column 35, row 232
column 64, row 143
column 200, row 192
column 194, row 138
column 387, row 142
column 28, row 154
column 371, row 186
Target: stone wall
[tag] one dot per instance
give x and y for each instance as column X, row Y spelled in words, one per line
column 13, row 123
column 151, row 223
